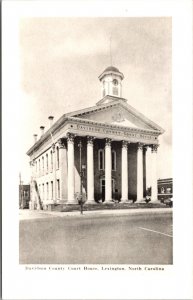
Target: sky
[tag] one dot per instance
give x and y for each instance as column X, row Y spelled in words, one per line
column 61, row 59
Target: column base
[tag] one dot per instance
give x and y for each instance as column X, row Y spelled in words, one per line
column 155, row 201
column 124, row 201
column 108, row 202
column 72, row 202
column 139, row 201
column 90, row 202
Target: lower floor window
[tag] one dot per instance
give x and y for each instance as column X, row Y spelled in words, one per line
column 52, row 191
column 47, row 190
column 58, row 187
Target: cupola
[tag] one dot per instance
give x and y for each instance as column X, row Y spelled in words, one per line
column 111, row 79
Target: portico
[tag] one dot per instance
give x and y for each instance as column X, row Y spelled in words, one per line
column 114, row 138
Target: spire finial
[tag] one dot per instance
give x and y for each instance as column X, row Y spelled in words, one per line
column 111, row 51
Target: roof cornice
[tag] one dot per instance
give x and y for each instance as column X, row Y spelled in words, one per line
column 74, row 116
column 115, row 126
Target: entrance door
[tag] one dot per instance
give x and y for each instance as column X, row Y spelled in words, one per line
column 102, row 188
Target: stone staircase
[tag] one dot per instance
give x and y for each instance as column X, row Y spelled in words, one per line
column 103, row 206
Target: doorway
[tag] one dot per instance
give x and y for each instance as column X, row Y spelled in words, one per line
column 102, row 188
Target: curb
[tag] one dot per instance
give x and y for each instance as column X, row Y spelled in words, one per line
column 109, row 212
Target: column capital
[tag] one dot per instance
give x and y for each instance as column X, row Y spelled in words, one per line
column 108, row 142
column 32, row 163
column 90, row 140
column 140, row 146
column 154, row 148
column 53, row 147
column 61, row 143
column 125, row 144
column 70, row 137
column 145, row 148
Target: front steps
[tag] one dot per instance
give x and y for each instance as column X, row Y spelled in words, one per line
column 103, row 206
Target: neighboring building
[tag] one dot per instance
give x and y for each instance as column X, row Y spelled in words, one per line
column 24, row 195
column 113, row 138
column 165, row 188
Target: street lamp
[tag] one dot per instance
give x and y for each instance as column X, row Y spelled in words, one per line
column 82, row 169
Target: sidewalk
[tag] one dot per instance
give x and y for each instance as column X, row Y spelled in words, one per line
column 41, row 214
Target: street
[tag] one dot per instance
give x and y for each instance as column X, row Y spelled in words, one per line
column 144, row 238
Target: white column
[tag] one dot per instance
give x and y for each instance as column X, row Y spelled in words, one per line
column 108, row 167
column 154, row 173
column 140, row 172
column 124, row 172
column 70, row 142
column 144, row 169
column 54, row 176
column 90, row 171
column 62, row 167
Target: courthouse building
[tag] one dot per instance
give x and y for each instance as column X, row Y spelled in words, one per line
column 99, row 151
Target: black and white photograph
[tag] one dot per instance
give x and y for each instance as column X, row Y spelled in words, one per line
column 97, row 177
column 94, row 132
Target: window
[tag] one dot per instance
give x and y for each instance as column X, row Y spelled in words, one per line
column 25, row 193
column 115, row 91
column 39, row 190
column 57, row 154
column 39, row 166
column 47, row 162
column 58, row 188
column 51, row 156
column 43, row 191
column 36, row 166
column 43, row 165
column 101, row 162
column 113, row 157
column 52, row 190
column 47, row 185
column 162, row 190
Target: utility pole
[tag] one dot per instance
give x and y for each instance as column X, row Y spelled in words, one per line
column 21, row 191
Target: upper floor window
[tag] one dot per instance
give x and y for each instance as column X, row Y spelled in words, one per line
column 57, row 155
column 39, row 166
column 47, row 162
column 25, row 193
column 51, row 157
column 101, row 160
column 113, row 157
column 43, row 164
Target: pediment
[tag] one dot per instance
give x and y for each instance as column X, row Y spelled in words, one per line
column 119, row 113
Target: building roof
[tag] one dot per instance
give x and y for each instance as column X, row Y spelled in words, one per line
column 75, row 115
column 111, row 68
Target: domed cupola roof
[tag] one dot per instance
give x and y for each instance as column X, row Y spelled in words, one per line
column 111, row 70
